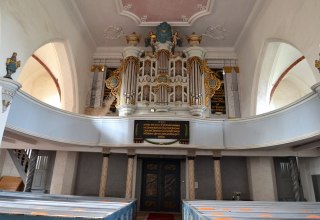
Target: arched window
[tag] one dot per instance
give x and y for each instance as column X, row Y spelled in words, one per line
column 284, row 78
column 47, row 76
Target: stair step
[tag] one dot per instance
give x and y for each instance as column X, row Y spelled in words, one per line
column 11, row 183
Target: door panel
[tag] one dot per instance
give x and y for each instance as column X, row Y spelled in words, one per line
column 160, row 185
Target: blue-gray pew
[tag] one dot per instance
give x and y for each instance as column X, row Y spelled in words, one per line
column 17, row 205
column 236, row 210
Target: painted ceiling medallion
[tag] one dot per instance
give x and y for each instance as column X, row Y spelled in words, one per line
column 113, row 32
column 217, row 32
column 175, row 12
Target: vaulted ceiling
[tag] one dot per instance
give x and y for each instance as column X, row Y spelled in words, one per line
column 220, row 22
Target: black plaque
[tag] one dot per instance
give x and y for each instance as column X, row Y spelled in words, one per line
column 218, row 100
column 153, row 129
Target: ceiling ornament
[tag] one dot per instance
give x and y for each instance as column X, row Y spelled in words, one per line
column 217, row 32
column 113, row 32
column 201, row 7
column 127, row 7
column 184, row 18
column 146, row 12
column 144, row 18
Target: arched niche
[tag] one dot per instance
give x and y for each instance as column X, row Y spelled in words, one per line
column 285, row 76
column 48, row 76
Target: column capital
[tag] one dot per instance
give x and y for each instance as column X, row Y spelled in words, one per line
column 132, row 51
column 191, row 154
column 106, row 152
column 216, row 155
column 131, row 153
column 195, row 52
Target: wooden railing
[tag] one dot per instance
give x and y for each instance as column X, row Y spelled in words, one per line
column 20, row 158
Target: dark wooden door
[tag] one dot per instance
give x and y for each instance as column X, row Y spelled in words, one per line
column 160, row 185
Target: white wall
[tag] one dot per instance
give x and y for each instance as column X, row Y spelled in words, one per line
column 7, row 167
column 292, row 21
column 309, row 167
column 28, row 25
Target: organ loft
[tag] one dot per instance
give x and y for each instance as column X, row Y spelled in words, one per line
column 163, row 79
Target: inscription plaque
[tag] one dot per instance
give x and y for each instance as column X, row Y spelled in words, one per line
column 153, row 129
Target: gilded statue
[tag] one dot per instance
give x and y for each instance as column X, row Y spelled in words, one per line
column 12, row 65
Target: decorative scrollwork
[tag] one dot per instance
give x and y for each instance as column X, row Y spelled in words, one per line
column 211, row 83
column 114, row 82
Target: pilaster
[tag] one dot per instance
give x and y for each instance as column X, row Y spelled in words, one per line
column 217, row 175
column 8, row 89
column 104, row 173
column 129, row 182
column 262, row 180
column 191, row 176
column 232, row 92
column 64, row 173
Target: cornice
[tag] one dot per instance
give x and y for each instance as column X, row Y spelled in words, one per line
column 114, row 53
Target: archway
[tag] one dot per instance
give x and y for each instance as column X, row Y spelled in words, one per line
column 285, row 77
column 47, row 76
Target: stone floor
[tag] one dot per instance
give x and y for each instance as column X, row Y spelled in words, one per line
column 144, row 215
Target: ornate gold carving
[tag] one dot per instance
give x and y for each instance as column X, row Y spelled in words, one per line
column 211, row 83
column 191, row 60
column 166, row 52
column 114, row 81
column 133, row 59
column 194, row 39
column 99, row 67
column 133, row 39
column 230, row 69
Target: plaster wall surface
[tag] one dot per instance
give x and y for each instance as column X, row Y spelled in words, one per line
column 295, row 24
column 28, row 25
column 7, row 167
column 89, row 171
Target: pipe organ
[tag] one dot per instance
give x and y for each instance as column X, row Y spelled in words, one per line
column 163, row 80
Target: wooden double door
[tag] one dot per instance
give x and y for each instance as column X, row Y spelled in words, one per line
column 160, row 185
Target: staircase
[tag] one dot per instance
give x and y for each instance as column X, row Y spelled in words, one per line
column 20, row 158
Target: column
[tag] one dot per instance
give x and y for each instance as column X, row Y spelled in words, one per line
column 217, row 175
column 130, row 65
column 104, row 173
column 191, row 179
column 95, row 96
column 129, row 182
column 31, row 168
column 195, row 56
column 294, row 172
column 8, row 88
column 232, row 92
column 64, row 173
column 262, row 180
